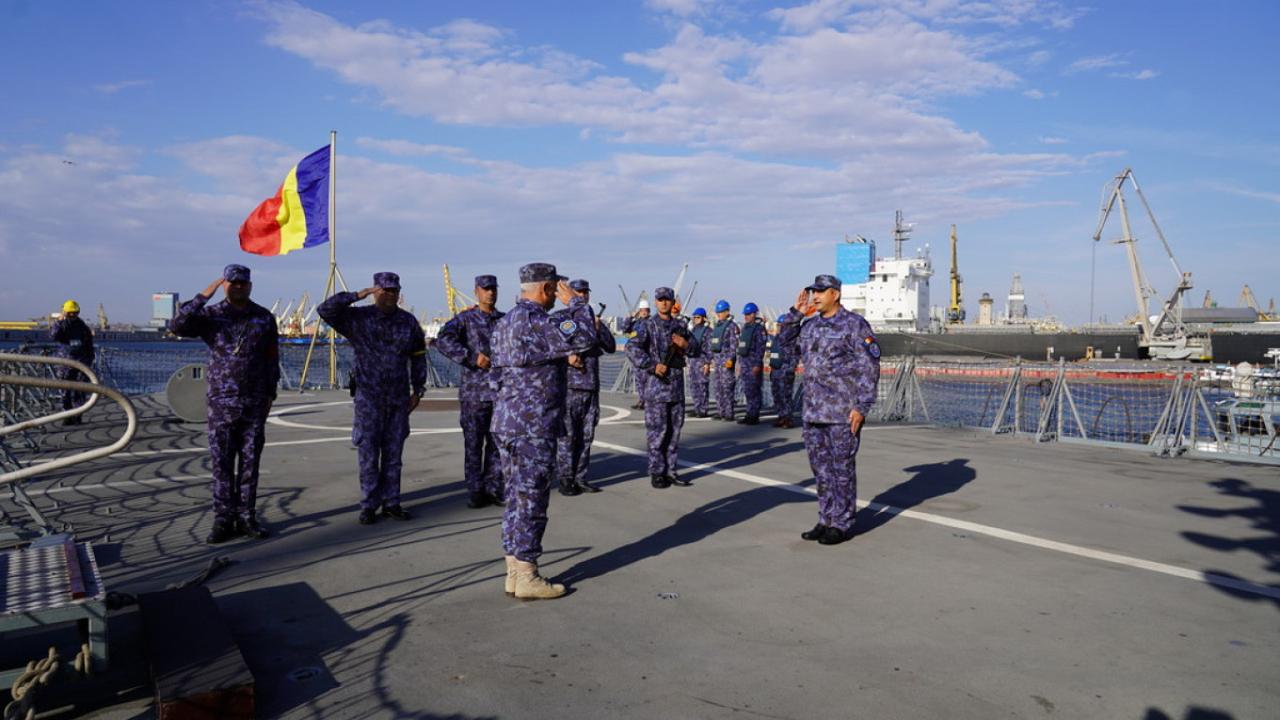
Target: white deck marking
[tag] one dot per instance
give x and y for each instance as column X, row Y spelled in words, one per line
column 995, row 532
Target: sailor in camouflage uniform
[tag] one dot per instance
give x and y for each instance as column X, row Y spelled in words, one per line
column 841, row 369
column 628, row 328
column 784, row 352
column 243, row 372
column 658, row 350
column 533, row 350
column 700, row 362
column 724, row 350
column 390, row 375
column 582, row 407
column 76, row 343
column 751, row 347
column 467, row 340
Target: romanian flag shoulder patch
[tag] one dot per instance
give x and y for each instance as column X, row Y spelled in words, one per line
column 297, row 216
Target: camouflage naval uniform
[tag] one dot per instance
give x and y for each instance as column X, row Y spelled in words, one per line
column 390, row 363
column 699, row 361
column 462, row 340
column 76, row 343
column 751, row 347
column 530, row 346
column 724, row 347
column 629, row 325
column 582, row 408
column 664, row 396
column 783, row 355
column 243, row 372
column 841, row 369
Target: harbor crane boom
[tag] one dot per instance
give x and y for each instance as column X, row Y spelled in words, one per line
column 955, row 312
column 1167, row 337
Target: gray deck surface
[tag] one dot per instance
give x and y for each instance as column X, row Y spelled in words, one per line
column 703, row 602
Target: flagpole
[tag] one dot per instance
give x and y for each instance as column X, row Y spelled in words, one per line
column 330, row 286
column 333, row 251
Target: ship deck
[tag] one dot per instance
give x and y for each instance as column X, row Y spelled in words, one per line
column 991, row 578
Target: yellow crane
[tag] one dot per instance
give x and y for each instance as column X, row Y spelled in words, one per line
column 452, row 295
column 1248, row 300
column 955, row 312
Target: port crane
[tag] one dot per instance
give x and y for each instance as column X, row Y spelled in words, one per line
column 1167, row 337
column 1248, row 300
column 955, row 312
column 452, row 296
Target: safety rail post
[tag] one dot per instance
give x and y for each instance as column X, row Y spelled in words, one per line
column 45, row 419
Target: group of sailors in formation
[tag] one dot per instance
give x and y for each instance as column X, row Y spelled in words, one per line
column 529, row 398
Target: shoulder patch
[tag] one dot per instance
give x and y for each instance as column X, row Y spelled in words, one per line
column 873, row 347
column 568, row 327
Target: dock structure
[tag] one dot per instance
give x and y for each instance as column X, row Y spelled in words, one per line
column 989, row 578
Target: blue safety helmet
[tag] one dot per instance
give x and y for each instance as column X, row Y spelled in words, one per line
column 700, row 311
column 722, row 306
column 750, row 309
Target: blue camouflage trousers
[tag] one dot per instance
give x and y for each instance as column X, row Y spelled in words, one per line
column 379, row 433
column 662, row 424
column 236, row 437
column 725, row 385
column 73, row 398
column 528, row 464
column 699, row 385
column 573, row 450
column 642, row 380
column 752, row 389
column 782, row 381
column 833, row 452
column 480, row 465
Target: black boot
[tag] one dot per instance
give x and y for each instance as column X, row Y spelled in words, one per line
column 659, row 481
column 816, row 533
column 367, row 516
column 250, row 528
column 749, row 421
column 497, row 499
column 477, row 500
column 395, row 512
column 587, row 486
column 677, row 480
column 570, row 488
column 833, row 536
column 223, row 530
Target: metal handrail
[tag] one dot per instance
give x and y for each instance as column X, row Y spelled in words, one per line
column 131, row 428
column 46, row 419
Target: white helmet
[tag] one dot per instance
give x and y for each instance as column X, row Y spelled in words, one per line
column 644, row 305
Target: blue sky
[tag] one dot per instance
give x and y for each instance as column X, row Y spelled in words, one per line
column 621, row 140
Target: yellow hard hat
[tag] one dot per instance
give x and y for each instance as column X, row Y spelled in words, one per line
column 70, row 306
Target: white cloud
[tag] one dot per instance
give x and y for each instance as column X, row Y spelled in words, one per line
column 1034, row 94
column 681, row 8
column 1234, row 189
column 407, row 148
column 1050, row 140
column 1095, row 62
column 115, row 87
column 1038, row 58
column 1001, row 13
column 1145, row 74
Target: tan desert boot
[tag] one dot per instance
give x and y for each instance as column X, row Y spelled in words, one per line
column 529, row 585
column 510, row 586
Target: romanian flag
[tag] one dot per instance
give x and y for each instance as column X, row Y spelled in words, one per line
column 298, row 216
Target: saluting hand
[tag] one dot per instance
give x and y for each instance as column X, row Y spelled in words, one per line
column 563, row 292
column 802, row 302
column 855, row 421
column 213, row 288
column 365, row 293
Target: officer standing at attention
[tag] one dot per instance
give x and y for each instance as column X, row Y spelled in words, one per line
column 841, row 369
column 76, row 340
column 244, row 370
column 530, row 347
column 390, row 375
column 700, row 362
column 783, row 355
column 629, row 326
column 582, row 407
column 724, row 348
column 467, row 340
column 751, row 347
column 659, row 350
